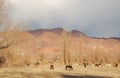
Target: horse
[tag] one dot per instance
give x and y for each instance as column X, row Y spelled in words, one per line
column 51, row 67
column 68, row 67
column 97, row 65
column 85, row 65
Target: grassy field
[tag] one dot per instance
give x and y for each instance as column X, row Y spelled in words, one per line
column 43, row 71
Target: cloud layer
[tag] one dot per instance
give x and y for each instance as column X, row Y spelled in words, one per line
column 99, row 18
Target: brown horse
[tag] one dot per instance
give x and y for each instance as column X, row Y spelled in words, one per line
column 51, row 67
column 97, row 65
column 115, row 65
column 68, row 67
column 85, row 65
column 28, row 64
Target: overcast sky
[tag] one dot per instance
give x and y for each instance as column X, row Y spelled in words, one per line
column 96, row 18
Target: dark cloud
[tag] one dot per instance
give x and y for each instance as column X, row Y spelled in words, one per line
column 93, row 17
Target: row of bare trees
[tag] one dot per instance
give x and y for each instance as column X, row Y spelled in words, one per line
column 66, row 42
column 87, row 54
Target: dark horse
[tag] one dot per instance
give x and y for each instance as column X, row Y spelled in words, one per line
column 85, row 65
column 97, row 65
column 51, row 67
column 68, row 67
column 116, row 65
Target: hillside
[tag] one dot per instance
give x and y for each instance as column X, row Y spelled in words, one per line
column 56, row 46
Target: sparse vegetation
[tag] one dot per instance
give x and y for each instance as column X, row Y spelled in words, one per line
column 59, row 72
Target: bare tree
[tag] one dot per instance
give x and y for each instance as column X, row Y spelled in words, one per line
column 80, row 51
column 66, row 42
column 64, row 47
column 10, row 34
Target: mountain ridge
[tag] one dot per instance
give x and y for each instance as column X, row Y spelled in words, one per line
column 75, row 33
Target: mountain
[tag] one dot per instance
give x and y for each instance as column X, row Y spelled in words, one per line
column 77, row 42
column 49, row 45
column 115, row 38
column 38, row 32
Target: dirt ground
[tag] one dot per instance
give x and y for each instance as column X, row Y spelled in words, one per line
column 43, row 71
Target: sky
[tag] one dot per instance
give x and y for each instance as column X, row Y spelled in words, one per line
column 95, row 18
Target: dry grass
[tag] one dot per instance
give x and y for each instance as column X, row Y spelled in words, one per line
column 43, row 71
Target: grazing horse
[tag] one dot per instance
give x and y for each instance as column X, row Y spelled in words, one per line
column 37, row 63
column 51, row 67
column 116, row 65
column 85, row 64
column 28, row 64
column 97, row 65
column 68, row 67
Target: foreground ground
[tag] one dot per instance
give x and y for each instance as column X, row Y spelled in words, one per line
column 43, row 71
